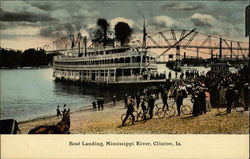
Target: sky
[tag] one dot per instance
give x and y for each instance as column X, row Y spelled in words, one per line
column 31, row 24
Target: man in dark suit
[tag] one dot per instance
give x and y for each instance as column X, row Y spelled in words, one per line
column 130, row 110
column 230, row 98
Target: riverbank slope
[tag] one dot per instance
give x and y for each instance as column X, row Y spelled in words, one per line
column 108, row 121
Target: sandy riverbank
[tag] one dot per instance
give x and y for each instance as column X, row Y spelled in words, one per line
column 108, row 121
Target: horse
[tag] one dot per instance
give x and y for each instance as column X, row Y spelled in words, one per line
column 61, row 127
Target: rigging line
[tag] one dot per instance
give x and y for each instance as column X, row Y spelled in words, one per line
column 171, row 47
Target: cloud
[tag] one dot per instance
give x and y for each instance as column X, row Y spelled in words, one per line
column 203, row 20
column 6, row 25
column 23, row 16
column 182, row 6
column 60, row 14
column 114, row 21
column 13, row 33
column 162, row 22
column 20, row 7
column 211, row 25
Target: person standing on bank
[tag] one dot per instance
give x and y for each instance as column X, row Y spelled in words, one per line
column 114, row 100
column 94, row 105
column 58, row 112
column 202, row 101
column 208, row 103
column 64, row 109
column 130, row 109
column 165, row 99
column 179, row 101
column 229, row 98
column 101, row 103
column 195, row 101
column 246, row 95
column 144, row 109
column 126, row 100
column 138, row 100
column 151, row 105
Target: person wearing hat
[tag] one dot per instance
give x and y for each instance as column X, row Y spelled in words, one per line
column 151, row 104
column 126, row 100
column 130, row 109
column 179, row 101
column 202, row 101
column 94, row 105
column 208, row 103
column 230, row 98
column 58, row 112
column 165, row 99
column 114, row 100
column 101, row 103
column 246, row 95
column 144, row 109
column 195, row 101
column 64, row 109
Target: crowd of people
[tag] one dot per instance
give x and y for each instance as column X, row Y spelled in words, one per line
column 205, row 91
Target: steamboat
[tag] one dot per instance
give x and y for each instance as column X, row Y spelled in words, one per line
column 110, row 65
column 108, row 62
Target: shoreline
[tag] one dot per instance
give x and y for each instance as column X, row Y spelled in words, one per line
column 108, row 121
column 46, row 117
column 25, row 68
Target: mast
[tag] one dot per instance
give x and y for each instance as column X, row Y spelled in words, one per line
column 143, row 47
column 144, row 42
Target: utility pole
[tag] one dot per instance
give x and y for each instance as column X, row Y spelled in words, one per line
column 144, row 49
column 220, row 55
column 247, row 22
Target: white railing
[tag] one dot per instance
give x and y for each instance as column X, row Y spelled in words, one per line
column 114, row 65
column 102, row 57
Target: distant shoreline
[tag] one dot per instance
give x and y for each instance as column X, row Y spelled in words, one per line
column 13, row 68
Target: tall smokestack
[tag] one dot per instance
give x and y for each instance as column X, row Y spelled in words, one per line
column 85, row 45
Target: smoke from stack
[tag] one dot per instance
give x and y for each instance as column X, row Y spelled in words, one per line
column 100, row 35
column 103, row 24
column 123, row 32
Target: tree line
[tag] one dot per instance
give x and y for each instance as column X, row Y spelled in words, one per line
column 28, row 58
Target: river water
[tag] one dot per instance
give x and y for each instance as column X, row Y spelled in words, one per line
column 33, row 93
